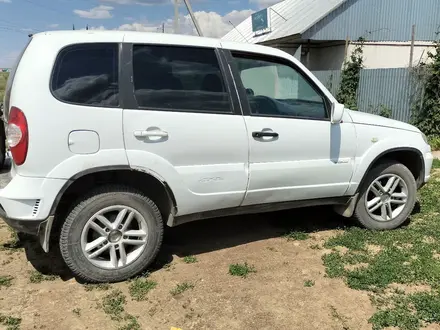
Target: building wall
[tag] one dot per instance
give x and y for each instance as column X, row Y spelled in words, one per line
column 393, row 55
column 379, row 55
column 379, row 89
column 379, row 20
column 326, row 58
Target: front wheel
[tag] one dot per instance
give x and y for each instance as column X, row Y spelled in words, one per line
column 387, row 197
column 112, row 235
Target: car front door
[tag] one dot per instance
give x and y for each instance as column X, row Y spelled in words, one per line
column 181, row 125
column 296, row 153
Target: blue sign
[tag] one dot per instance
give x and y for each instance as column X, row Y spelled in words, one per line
column 260, row 20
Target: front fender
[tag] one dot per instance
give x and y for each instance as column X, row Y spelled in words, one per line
column 379, row 149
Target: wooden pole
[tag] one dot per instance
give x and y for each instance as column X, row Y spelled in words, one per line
column 347, row 42
column 193, row 17
column 413, row 38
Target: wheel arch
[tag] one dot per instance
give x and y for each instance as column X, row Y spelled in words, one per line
column 412, row 158
column 139, row 179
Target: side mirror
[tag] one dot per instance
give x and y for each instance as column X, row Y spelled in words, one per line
column 337, row 113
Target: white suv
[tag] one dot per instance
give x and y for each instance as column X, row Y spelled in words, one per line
column 114, row 134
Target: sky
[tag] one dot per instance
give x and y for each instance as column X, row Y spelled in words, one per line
column 18, row 18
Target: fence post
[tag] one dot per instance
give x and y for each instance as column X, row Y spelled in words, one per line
column 411, row 54
column 347, row 42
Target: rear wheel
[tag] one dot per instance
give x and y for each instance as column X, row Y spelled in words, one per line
column 387, row 197
column 112, row 235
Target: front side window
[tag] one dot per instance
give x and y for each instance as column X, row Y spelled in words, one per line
column 275, row 89
column 87, row 74
column 179, row 78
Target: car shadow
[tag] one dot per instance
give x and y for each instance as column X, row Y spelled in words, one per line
column 209, row 235
column 221, row 233
column 204, row 236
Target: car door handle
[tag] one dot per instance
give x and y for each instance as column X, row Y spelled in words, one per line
column 146, row 133
column 264, row 134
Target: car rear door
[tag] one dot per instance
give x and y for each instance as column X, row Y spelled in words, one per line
column 182, row 124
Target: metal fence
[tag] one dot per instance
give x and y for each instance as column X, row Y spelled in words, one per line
column 378, row 89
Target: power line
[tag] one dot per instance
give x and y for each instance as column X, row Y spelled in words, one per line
column 18, row 26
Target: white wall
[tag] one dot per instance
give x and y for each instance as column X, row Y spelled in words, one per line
column 377, row 55
column 393, row 54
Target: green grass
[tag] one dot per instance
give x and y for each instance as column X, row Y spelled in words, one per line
column 181, row 288
column 408, row 256
column 436, row 163
column 309, row 283
column 434, row 141
column 113, row 304
column 140, row 287
column 13, row 244
column 190, row 259
column 37, row 277
column 6, row 281
column 11, row 323
column 242, row 270
column 297, row 236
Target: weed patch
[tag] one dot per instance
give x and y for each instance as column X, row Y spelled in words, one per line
column 37, row 277
column 132, row 323
column 242, row 270
column 11, row 323
column 190, row 259
column 113, row 304
column 140, row 287
column 6, row 281
column 309, row 283
column 98, row 286
column 181, row 288
column 297, row 236
column 405, row 257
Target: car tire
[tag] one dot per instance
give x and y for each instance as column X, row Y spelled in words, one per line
column 85, row 227
column 374, row 201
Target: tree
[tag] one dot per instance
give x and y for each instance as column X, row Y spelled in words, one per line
column 426, row 93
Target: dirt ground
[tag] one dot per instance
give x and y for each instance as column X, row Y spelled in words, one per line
column 289, row 289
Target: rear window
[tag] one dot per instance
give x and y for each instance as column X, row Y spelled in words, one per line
column 87, row 74
column 179, row 78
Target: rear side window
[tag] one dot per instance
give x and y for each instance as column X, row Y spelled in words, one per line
column 87, row 74
column 179, row 78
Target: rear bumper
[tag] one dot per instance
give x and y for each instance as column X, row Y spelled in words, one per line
column 28, row 199
column 23, row 226
column 25, row 204
column 39, row 228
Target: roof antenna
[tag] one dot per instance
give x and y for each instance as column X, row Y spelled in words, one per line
column 238, row 31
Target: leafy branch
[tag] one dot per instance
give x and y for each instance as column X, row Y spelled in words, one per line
column 350, row 77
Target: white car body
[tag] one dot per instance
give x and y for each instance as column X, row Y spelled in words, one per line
column 209, row 163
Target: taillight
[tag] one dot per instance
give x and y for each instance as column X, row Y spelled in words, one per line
column 17, row 135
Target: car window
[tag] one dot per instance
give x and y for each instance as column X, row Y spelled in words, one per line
column 275, row 89
column 87, row 74
column 179, row 78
